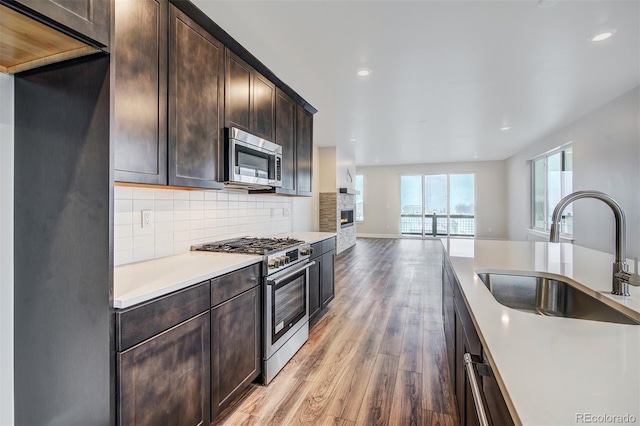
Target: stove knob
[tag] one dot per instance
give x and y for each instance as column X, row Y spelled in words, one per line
column 306, row 251
column 281, row 261
column 272, row 264
column 287, row 259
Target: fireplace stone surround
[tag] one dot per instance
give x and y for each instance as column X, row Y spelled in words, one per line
column 332, row 204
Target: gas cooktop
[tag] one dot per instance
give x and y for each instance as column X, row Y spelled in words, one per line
column 249, row 245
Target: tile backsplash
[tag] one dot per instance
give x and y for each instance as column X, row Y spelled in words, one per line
column 181, row 218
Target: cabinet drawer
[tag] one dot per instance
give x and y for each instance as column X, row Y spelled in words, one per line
column 328, row 245
column 317, row 249
column 227, row 286
column 138, row 323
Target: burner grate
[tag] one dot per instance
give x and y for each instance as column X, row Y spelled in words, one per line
column 249, row 245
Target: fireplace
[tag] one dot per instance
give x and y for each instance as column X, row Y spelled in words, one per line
column 346, row 218
column 337, row 214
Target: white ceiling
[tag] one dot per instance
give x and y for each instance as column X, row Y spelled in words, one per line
column 446, row 74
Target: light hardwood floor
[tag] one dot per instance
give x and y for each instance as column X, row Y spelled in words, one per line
column 377, row 357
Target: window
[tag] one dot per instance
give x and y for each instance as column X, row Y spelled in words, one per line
column 360, row 199
column 438, row 205
column 552, row 178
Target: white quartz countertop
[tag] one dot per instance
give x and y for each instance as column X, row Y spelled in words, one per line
column 138, row 282
column 554, row 371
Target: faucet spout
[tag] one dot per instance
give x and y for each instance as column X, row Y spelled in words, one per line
column 619, row 287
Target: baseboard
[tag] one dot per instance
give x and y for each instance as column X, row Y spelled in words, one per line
column 359, row 235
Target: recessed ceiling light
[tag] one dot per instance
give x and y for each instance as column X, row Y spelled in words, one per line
column 547, row 3
column 475, row 155
column 352, row 140
column 505, row 128
column 364, row 72
column 602, row 35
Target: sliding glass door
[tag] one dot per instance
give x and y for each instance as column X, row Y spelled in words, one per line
column 438, row 205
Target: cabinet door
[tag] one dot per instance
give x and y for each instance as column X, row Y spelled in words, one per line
column 264, row 112
column 196, row 76
column 448, row 309
column 238, row 92
column 314, row 288
column 235, row 347
column 304, row 151
column 467, row 341
column 139, row 91
column 327, row 280
column 166, row 379
column 496, row 405
column 460, row 377
column 285, row 135
column 87, row 17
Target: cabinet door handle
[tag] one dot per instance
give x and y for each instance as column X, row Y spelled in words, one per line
column 476, row 392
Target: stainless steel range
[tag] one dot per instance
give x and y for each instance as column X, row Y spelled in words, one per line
column 285, row 294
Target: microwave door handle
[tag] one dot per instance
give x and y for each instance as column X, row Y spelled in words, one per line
column 292, row 273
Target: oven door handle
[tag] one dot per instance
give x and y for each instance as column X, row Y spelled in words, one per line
column 292, row 273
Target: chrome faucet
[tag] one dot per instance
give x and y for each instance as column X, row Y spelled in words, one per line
column 621, row 278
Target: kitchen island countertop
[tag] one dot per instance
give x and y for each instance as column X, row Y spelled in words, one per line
column 554, row 371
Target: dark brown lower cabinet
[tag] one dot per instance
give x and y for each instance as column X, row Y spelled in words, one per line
column 327, row 282
column 466, row 407
column 461, row 337
column 314, row 289
column 165, row 380
column 321, row 278
column 494, row 399
column 236, row 347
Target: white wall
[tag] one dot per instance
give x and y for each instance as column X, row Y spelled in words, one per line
column 382, row 196
column 6, row 249
column 345, row 169
column 336, row 164
column 606, row 157
column 327, row 158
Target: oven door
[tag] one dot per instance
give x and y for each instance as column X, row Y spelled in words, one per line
column 286, row 305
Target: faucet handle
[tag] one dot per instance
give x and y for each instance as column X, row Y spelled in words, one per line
column 634, row 280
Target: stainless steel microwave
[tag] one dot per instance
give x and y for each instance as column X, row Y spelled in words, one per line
column 251, row 162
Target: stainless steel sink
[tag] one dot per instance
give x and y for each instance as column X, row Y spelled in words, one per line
column 549, row 297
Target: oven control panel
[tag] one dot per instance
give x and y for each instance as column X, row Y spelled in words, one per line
column 281, row 260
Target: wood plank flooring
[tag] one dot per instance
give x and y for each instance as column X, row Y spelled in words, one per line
column 377, row 357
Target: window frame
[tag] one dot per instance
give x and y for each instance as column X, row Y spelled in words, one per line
column 360, row 195
column 545, row 156
column 423, row 176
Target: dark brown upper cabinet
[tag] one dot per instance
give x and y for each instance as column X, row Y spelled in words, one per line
column 304, row 151
column 196, row 85
column 249, row 98
column 139, row 91
column 285, row 135
column 89, row 18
